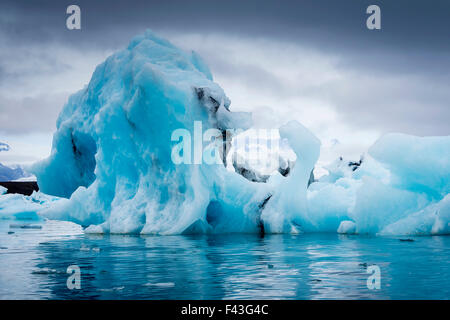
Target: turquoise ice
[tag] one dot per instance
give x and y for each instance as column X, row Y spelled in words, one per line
column 111, row 163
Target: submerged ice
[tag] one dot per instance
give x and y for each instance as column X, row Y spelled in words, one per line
column 112, row 163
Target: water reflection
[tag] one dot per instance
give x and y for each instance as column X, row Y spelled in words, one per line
column 315, row 266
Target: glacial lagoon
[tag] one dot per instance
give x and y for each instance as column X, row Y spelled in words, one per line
column 34, row 259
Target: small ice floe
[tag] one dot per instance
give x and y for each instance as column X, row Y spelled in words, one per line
column 24, row 226
column 46, row 271
column 160, row 284
column 86, row 248
column 364, row 265
column 347, row 227
column 112, row 289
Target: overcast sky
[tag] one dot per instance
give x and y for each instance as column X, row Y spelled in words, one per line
column 314, row 61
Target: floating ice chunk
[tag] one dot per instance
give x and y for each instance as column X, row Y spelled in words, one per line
column 25, row 226
column 378, row 205
column 418, row 164
column 3, row 190
column 347, row 227
column 388, row 191
column 434, row 219
column 94, row 229
column 160, row 284
column 17, row 206
column 112, row 289
column 47, row 271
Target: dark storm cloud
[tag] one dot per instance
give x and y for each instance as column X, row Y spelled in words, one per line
column 418, row 29
column 398, row 76
column 338, row 24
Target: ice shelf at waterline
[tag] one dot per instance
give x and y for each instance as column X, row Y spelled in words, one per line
column 111, row 163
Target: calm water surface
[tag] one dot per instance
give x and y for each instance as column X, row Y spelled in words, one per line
column 33, row 264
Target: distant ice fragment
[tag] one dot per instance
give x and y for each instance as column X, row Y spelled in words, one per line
column 25, row 226
column 20, row 207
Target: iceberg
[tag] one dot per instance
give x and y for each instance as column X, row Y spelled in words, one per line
column 144, row 148
column 417, row 164
column 112, row 153
column 400, row 187
column 20, row 207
